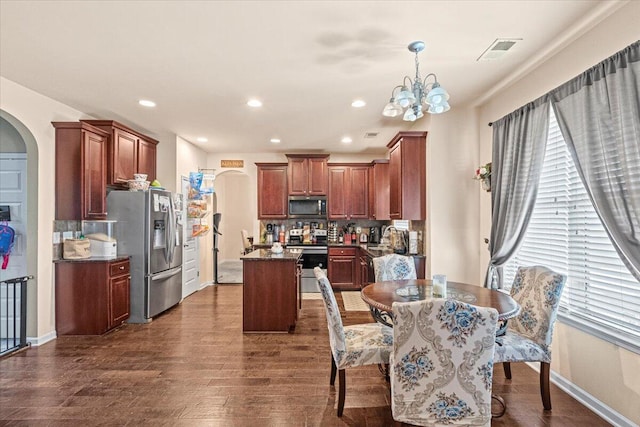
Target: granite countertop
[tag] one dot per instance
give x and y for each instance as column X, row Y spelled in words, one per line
column 267, row 255
column 94, row 259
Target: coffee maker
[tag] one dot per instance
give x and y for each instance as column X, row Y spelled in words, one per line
column 374, row 235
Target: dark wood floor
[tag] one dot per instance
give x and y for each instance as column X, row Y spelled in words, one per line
column 193, row 366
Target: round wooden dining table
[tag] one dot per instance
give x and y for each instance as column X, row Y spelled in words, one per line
column 381, row 295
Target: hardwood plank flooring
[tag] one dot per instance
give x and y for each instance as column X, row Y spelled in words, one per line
column 193, row 366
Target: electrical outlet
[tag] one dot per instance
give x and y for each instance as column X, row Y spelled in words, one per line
column 56, row 237
column 67, row 235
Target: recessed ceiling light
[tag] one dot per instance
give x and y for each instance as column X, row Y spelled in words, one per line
column 347, row 140
column 201, row 139
column 254, row 103
column 358, row 103
column 275, row 140
column 146, row 103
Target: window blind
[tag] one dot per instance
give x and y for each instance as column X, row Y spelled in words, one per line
column 566, row 235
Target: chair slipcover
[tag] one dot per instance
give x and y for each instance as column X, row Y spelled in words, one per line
column 442, row 362
column 528, row 338
column 354, row 345
column 394, row 267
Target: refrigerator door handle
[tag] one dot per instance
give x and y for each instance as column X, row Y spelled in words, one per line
column 166, row 274
column 172, row 239
column 167, row 237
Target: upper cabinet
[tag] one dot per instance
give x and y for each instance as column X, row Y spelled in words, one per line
column 407, row 176
column 379, row 190
column 129, row 152
column 81, row 165
column 272, row 190
column 348, row 191
column 308, row 174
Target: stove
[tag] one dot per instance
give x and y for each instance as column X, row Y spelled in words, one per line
column 313, row 255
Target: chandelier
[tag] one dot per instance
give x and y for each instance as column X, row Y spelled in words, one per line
column 417, row 95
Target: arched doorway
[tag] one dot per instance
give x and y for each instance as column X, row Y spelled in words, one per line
column 233, row 197
column 17, row 139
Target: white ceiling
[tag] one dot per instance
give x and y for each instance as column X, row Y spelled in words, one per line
column 200, row 61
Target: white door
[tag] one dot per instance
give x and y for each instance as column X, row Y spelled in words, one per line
column 13, row 193
column 190, row 250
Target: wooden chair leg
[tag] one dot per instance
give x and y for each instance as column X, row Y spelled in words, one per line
column 332, row 380
column 545, row 391
column 507, row 369
column 341, row 391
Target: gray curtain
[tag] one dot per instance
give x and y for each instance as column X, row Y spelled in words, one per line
column 599, row 116
column 519, row 143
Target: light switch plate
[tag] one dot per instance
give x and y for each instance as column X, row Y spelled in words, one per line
column 56, row 237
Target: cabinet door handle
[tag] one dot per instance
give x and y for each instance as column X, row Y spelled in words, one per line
column 121, row 267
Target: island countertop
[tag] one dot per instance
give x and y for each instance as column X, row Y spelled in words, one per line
column 267, row 255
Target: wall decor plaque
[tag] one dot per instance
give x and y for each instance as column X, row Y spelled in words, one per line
column 232, row 163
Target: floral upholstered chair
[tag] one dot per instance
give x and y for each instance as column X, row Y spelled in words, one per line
column 394, row 267
column 442, row 362
column 528, row 337
column 355, row 345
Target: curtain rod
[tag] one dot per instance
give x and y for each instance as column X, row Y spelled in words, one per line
column 490, row 124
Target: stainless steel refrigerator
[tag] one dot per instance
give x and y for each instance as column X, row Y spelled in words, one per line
column 147, row 230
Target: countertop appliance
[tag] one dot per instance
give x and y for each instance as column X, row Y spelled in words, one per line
column 307, row 207
column 149, row 232
column 374, row 235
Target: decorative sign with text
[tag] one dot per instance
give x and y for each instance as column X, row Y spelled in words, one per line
column 232, row 163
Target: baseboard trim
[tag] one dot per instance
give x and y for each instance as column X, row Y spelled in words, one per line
column 604, row 411
column 37, row 341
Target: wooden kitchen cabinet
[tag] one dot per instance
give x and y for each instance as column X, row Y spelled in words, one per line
column 272, row 191
column 307, row 174
column 129, row 152
column 407, row 176
column 343, row 268
column 81, row 168
column 379, row 190
column 91, row 297
column 348, row 191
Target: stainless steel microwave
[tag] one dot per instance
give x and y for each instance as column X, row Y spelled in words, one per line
column 307, row 207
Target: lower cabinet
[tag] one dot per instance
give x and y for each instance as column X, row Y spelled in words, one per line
column 343, row 268
column 92, row 297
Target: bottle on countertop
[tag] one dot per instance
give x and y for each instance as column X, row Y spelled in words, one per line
column 281, row 235
column 354, row 237
column 340, row 238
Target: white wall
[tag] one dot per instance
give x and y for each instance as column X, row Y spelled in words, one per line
column 36, row 112
column 453, row 196
column 603, row 370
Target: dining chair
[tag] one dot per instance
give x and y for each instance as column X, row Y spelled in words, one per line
column 528, row 336
column 442, row 362
column 246, row 244
column 394, row 267
column 353, row 345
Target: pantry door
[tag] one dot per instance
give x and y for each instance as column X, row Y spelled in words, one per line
column 190, row 250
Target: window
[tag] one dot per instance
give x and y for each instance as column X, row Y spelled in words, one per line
column 566, row 235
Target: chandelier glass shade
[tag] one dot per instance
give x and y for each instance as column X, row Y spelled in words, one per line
column 413, row 97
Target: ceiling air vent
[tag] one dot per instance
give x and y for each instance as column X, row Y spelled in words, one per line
column 371, row 134
column 498, row 49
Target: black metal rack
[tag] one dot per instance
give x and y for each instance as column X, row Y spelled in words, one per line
column 13, row 314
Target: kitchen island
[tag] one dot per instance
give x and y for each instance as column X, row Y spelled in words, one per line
column 271, row 294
